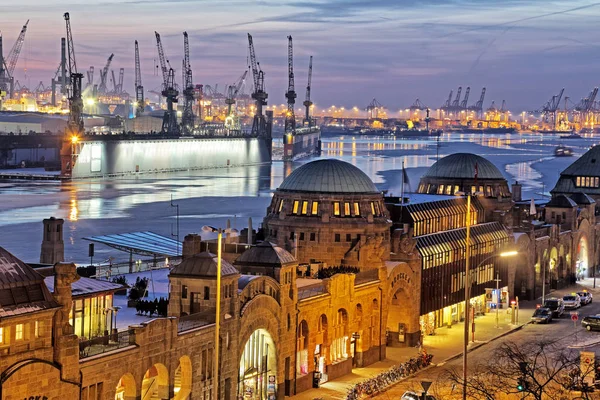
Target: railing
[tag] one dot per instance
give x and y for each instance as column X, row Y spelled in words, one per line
column 194, row 321
column 104, row 344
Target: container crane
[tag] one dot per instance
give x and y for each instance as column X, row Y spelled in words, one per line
column 139, row 89
column 373, row 109
column 104, row 75
column 75, row 124
column 187, row 118
column 259, row 94
column 7, row 66
column 290, row 95
column 463, row 103
column 478, row 106
column 307, row 103
column 169, row 91
column 231, row 121
column 549, row 109
column 456, row 102
column 448, row 102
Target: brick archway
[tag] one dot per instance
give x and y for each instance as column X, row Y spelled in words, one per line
column 402, row 323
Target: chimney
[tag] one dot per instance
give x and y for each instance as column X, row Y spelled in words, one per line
column 191, row 245
column 249, row 241
column 516, row 191
column 53, row 247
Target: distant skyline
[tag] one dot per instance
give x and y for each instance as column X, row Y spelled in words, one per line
column 392, row 50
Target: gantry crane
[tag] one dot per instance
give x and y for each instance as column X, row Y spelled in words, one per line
column 231, row 120
column 463, row 103
column 7, row 66
column 187, row 117
column 549, row 109
column 104, row 75
column 456, row 102
column 478, row 106
column 169, row 91
column 290, row 95
column 307, row 103
column 373, row 109
column 259, row 94
column 139, row 89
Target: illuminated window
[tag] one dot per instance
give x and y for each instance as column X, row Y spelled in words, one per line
column 315, row 208
column 1, row 335
column 346, row 209
column 280, row 205
column 36, row 329
column 19, row 332
column 578, row 183
column 596, row 182
column 296, row 204
column 455, row 189
column 587, row 181
column 336, row 208
column 449, row 189
column 304, row 207
column 372, row 208
column 481, row 189
column 441, row 189
column 356, row 209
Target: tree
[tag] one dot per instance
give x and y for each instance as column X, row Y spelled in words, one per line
column 537, row 369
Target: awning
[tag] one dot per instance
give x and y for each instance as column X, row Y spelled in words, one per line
column 144, row 243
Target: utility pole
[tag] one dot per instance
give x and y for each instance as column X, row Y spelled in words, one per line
column 467, row 295
column 497, row 296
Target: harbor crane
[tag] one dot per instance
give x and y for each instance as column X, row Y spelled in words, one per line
column 373, row 109
column 478, row 106
column 550, row 108
column 104, row 75
column 463, row 103
column 290, row 95
column 259, row 95
column 169, row 91
column 187, row 118
column 231, row 120
column 418, row 106
column 90, row 77
column 307, row 103
column 75, row 123
column 139, row 89
column 7, row 66
column 455, row 103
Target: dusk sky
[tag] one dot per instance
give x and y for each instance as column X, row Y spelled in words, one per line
column 393, row 50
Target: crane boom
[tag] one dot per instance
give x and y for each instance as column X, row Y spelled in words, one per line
column 463, row 103
column 259, row 125
column 139, row 89
column 456, row 101
column 104, row 74
column 162, row 59
column 13, row 55
column 290, row 117
column 71, row 63
column 187, row 117
column 307, row 103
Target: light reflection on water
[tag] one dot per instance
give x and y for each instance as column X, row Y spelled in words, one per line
column 114, row 198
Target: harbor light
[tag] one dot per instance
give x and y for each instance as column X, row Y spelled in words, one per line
column 90, row 102
column 74, row 139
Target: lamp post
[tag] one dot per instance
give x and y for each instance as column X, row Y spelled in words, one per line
column 177, row 222
column 219, row 231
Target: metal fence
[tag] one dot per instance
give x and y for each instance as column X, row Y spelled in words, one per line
column 104, row 344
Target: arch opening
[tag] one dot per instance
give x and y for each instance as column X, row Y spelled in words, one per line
column 182, row 381
column 257, row 375
column 155, row 385
column 302, row 349
column 581, row 262
column 126, row 389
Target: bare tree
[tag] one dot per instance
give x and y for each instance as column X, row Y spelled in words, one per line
column 535, row 370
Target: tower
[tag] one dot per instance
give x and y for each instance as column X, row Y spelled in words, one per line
column 53, row 247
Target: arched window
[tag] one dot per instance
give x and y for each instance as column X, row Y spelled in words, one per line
column 302, row 349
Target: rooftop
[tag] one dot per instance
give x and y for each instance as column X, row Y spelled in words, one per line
column 203, row 265
column 463, row 166
column 328, row 176
column 265, row 253
column 86, row 286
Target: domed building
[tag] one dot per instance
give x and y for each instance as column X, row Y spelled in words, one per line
column 329, row 211
column 464, row 172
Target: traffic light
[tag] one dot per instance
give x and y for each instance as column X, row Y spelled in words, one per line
column 522, row 384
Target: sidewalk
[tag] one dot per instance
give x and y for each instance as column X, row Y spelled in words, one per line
column 445, row 344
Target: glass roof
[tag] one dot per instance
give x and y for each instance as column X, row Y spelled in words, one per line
column 144, row 243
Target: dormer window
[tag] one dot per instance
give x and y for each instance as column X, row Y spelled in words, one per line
column 19, row 332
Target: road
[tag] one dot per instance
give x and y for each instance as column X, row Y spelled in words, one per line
column 572, row 334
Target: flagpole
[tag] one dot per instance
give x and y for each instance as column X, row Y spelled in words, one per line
column 402, row 188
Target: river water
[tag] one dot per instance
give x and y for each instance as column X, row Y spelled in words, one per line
column 210, row 197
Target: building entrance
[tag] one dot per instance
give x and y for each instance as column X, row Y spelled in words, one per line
column 257, row 378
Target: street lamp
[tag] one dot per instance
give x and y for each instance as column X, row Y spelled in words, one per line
column 219, row 231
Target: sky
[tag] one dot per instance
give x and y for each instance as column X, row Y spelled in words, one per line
column 393, row 50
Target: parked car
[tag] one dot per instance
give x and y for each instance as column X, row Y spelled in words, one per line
column 572, row 301
column 542, row 315
column 414, row 396
column 586, row 297
column 591, row 322
column 556, row 306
